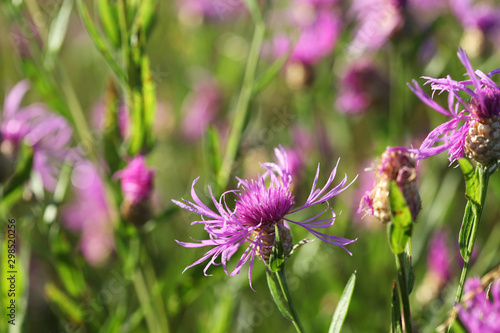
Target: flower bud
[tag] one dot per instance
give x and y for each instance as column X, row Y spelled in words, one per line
column 397, row 164
column 137, row 185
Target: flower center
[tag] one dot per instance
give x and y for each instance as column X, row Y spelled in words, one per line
column 258, row 204
column 490, row 107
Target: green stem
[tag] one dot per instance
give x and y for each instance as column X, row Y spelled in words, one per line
column 240, row 116
column 403, row 290
column 288, row 298
column 145, row 300
column 477, row 208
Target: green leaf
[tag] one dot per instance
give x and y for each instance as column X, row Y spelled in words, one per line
column 275, row 290
column 69, row 307
column 109, row 18
column 145, row 18
column 57, row 32
column 99, row 42
column 471, row 179
column 396, row 311
column 400, row 228
column 342, row 306
column 472, row 192
column 277, row 257
column 149, row 100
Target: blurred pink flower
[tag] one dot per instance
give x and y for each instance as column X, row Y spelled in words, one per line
column 427, row 8
column 481, row 310
column 48, row 134
column 90, row 214
column 439, row 257
column 136, row 180
column 200, row 108
column 377, row 21
column 481, row 15
column 361, row 87
column 217, row 10
column 318, row 26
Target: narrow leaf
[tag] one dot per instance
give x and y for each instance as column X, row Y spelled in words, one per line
column 68, row 307
column 149, row 100
column 57, row 32
column 99, row 42
column 275, row 290
column 109, row 17
column 342, row 306
column 466, row 229
column 471, row 176
column 471, row 179
column 401, row 227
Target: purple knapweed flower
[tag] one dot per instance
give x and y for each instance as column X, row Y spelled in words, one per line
column 396, row 164
column 260, row 205
column 481, row 310
column 377, row 21
column 90, row 214
column 48, row 135
column 137, row 186
column 474, row 129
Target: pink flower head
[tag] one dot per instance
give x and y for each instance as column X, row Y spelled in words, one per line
column 90, row 214
column 136, row 180
column 377, row 21
column 260, row 205
column 474, row 126
column 318, row 30
column 481, row 311
column 48, row 134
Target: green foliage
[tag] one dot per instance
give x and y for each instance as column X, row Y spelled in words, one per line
column 343, row 306
column 400, row 228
